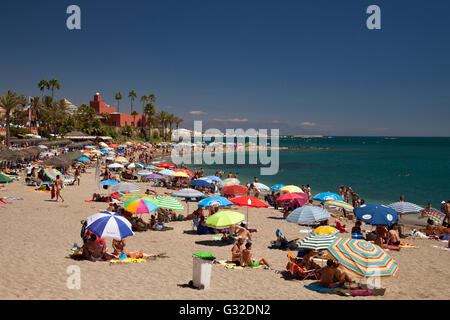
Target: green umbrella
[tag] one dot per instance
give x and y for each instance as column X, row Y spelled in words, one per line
column 224, row 219
column 5, row 179
column 166, row 202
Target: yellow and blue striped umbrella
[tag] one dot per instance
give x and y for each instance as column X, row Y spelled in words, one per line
column 340, row 204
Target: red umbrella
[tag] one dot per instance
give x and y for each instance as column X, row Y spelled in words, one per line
column 167, row 165
column 249, row 202
column 292, row 196
column 299, row 201
column 235, row 190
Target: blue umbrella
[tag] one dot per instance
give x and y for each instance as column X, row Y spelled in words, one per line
column 202, row 183
column 84, row 159
column 308, row 214
column 214, row 178
column 104, row 151
column 376, row 214
column 215, row 202
column 108, row 183
column 89, row 147
column 324, row 196
column 277, row 187
column 109, row 225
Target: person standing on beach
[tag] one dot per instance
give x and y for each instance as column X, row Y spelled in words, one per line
column 347, row 195
column 77, row 175
column 59, row 186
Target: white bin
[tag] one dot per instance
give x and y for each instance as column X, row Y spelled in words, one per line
column 201, row 277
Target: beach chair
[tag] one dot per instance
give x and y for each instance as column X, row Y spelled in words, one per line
column 293, row 266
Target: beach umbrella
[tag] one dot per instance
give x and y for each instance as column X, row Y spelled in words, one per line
column 119, row 194
column 167, row 202
column 235, row 190
column 325, row 196
column 131, row 166
column 340, row 204
column 108, row 183
column 110, row 158
column 131, row 195
column 405, row 207
column 247, row 201
column 215, row 202
column 156, row 176
column 125, row 186
column 292, row 196
column 213, row 178
column 140, row 164
column 189, row 173
column 109, row 225
column 188, row 193
column 202, row 183
column 261, row 186
column 167, row 165
column 83, row 159
column 376, row 214
column 298, row 202
column 362, row 259
column 115, row 166
column 224, row 219
column 433, row 214
column 291, row 189
column 149, row 167
column 42, row 146
column 277, row 187
column 308, row 215
column 53, row 174
column 5, row 179
column 140, row 205
column 228, row 182
column 144, row 173
column 47, row 154
column 121, row 160
column 166, row 172
column 180, row 174
column 325, row 230
column 89, row 147
column 317, row 242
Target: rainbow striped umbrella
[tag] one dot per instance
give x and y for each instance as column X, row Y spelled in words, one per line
column 362, row 259
column 228, row 182
column 144, row 173
column 188, row 193
column 132, row 195
column 167, row 202
column 340, row 204
column 140, row 205
column 118, row 195
column 53, row 173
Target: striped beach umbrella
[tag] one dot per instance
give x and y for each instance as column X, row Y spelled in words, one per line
column 53, row 174
column 317, row 242
column 126, row 186
column 405, row 207
column 291, row 188
column 308, row 215
column 131, row 195
column 166, row 202
column 215, row 202
column 140, row 205
column 340, row 204
column 362, row 259
column 118, row 195
column 228, row 182
column 433, row 214
column 224, row 219
column 376, row 214
column 277, row 187
column 325, row 196
column 188, row 193
column 109, row 225
column 326, row 230
column 144, row 173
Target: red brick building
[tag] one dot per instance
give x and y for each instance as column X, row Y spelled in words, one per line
column 115, row 119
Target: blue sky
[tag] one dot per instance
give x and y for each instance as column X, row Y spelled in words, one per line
column 306, row 67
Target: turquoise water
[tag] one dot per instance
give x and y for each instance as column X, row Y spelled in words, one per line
column 379, row 169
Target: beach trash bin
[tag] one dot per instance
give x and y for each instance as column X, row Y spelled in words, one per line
column 201, row 275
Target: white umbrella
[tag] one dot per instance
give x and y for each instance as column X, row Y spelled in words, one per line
column 261, row 186
column 125, row 187
column 42, row 146
column 109, row 225
column 115, row 165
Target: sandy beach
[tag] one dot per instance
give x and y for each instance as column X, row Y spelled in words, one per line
column 37, row 234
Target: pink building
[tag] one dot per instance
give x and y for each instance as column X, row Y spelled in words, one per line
column 116, row 119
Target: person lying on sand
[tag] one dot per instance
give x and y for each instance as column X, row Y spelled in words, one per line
column 393, row 236
column 92, row 250
column 331, row 277
column 118, row 246
column 248, row 260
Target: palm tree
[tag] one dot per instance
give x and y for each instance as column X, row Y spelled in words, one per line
column 178, row 121
column 161, row 118
column 118, row 97
column 144, row 99
column 36, row 107
column 132, row 95
column 10, row 103
column 134, row 113
column 149, row 111
column 54, row 84
column 170, row 122
column 43, row 84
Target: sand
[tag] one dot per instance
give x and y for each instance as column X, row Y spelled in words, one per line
column 36, row 235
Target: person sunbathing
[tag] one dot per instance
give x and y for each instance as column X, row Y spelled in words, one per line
column 92, row 250
column 430, row 231
column 307, row 262
column 248, row 260
column 393, row 236
column 241, row 232
column 119, row 246
column 236, row 252
column 331, row 277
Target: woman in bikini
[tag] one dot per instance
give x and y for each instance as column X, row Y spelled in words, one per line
column 236, row 252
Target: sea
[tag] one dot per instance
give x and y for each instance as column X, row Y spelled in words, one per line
column 379, row 169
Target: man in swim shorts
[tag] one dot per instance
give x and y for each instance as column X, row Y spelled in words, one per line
column 250, row 261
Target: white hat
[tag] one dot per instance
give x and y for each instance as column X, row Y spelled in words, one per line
column 442, row 202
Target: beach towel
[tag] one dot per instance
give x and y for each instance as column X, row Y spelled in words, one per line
column 230, row 265
column 416, row 233
column 406, row 245
column 128, row 260
column 442, row 247
column 13, row 198
column 306, row 231
column 319, row 288
column 2, row 203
